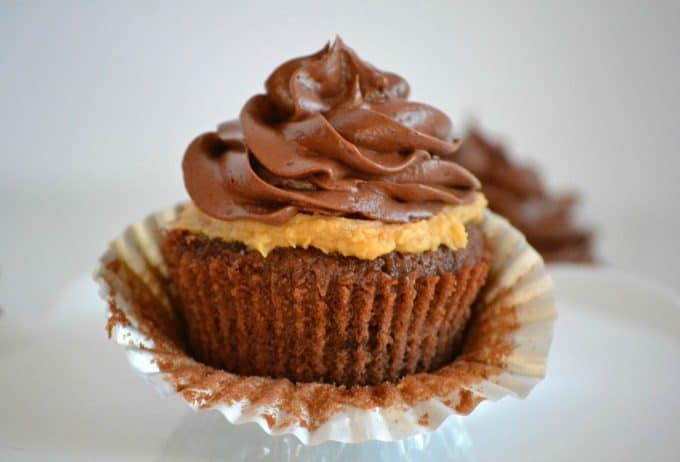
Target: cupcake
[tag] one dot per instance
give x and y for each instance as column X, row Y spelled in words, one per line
column 517, row 192
column 330, row 235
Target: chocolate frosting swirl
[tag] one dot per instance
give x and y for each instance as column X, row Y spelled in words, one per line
column 333, row 135
column 517, row 192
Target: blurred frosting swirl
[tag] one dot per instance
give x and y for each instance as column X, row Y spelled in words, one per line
column 335, row 136
column 517, row 192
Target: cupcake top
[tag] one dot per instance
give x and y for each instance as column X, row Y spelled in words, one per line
column 332, row 156
column 334, row 136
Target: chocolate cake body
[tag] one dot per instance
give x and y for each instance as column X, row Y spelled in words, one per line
column 309, row 316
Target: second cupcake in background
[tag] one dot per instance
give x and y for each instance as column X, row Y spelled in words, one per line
column 516, row 192
column 330, row 236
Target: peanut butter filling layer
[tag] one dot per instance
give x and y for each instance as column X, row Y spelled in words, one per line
column 364, row 239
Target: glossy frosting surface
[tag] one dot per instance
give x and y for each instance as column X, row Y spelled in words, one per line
column 332, row 136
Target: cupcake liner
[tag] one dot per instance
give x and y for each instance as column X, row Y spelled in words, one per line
column 312, row 317
column 504, row 351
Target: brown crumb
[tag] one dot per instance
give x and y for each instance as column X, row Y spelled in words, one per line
column 117, row 317
column 271, row 421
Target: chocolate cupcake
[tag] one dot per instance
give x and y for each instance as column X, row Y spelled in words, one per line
column 330, row 237
column 516, row 192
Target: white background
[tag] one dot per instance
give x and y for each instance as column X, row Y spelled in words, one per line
column 98, row 102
